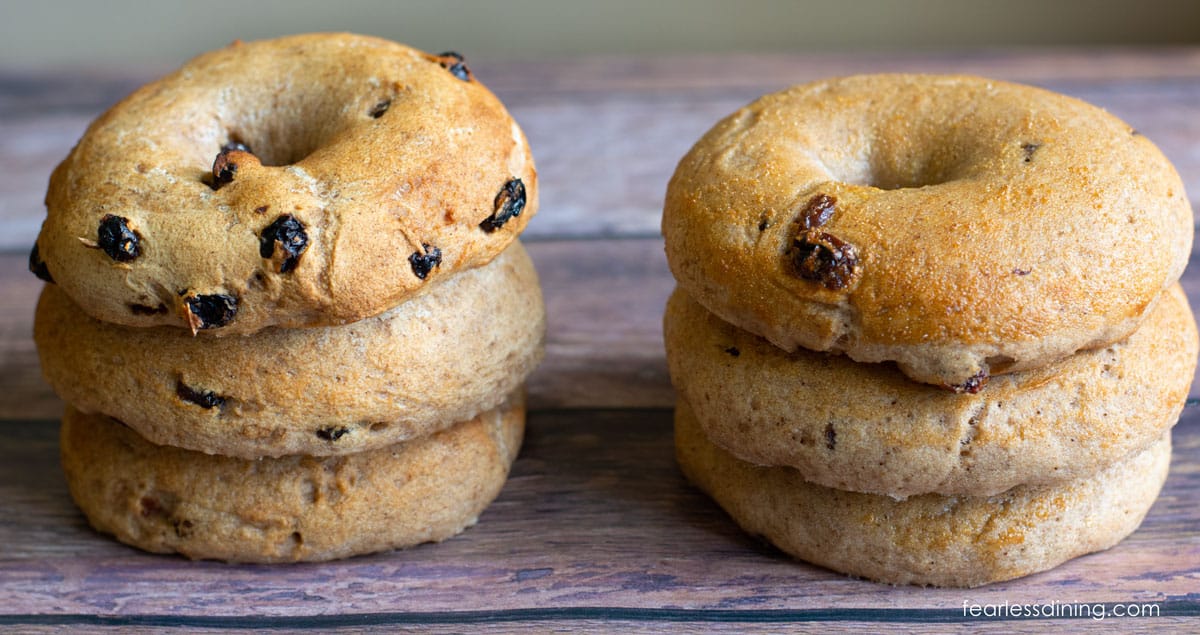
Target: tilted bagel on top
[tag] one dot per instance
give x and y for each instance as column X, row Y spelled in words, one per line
column 305, row 181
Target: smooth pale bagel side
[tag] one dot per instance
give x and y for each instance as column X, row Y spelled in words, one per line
column 866, row 428
column 950, row 541
column 288, row 509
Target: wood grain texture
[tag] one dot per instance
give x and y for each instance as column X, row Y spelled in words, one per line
column 596, row 530
column 631, row 627
column 595, row 514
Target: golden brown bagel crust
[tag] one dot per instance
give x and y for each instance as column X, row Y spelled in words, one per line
column 995, row 227
column 866, row 428
column 382, row 154
column 951, row 541
column 438, row 359
column 292, row 508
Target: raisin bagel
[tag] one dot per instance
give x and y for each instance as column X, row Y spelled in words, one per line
column 958, row 226
column 442, row 357
column 866, row 428
column 293, row 508
column 304, row 181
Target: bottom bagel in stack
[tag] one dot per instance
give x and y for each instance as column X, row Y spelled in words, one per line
column 290, row 508
column 930, row 539
column 299, row 444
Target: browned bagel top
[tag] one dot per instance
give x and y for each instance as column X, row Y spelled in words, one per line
column 954, row 224
column 303, row 181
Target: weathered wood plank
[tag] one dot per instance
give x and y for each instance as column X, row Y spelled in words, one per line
column 822, row 623
column 604, row 306
column 22, row 391
column 607, row 132
column 595, row 514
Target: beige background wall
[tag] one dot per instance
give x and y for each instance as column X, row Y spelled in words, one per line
column 42, row 33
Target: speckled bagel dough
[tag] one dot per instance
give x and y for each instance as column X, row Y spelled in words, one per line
column 992, row 227
column 288, row 509
column 930, row 539
column 437, row 359
column 386, row 159
column 866, row 428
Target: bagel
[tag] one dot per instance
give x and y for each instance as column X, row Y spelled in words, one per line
column 866, row 428
column 292, row 508
column 305, row 181
column 945, row 541
column 411, row 371
column 959, row 226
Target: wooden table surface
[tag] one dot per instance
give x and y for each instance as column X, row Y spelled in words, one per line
column 596, row 529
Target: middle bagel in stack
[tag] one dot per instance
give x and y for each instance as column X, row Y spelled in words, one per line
column 997, row 263
column 866, row 428
column 431, row 361
column 315, row 348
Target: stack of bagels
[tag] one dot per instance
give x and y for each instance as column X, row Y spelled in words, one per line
column 314, row 348
column 928, row 329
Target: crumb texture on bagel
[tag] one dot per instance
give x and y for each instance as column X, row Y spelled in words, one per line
column 867, row 428
column 956, row 225
column 432, row 361
column 288, row 509
column 304, row 181
column 949, row 541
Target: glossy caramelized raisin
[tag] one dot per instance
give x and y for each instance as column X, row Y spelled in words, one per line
column 821, row 257
column 117, row 240
column 817, row 211
column 456, row 64
column 225, row 166
column 332, row 433
column 508, row 204
column 206, row 399
column 287, row 233
column 37, row 266
column 212, row 311
column 422, row 264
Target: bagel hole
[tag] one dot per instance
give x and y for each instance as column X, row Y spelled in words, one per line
column 286, row 156
column 276, row 146
column 923, row 156
column 888, row 177
column 287, row 122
